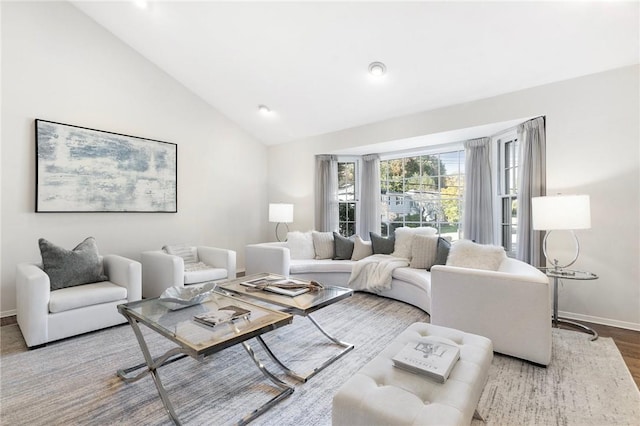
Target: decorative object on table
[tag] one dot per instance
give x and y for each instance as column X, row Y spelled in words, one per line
column 431, row 358
column 181, row 297
column 284, row 286
column 87, row 170
column 222, row 315
column 280, row 213
column 561, row 213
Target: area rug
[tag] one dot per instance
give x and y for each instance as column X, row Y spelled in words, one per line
column 74, row 382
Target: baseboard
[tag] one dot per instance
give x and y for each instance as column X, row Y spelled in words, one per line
column 598, row 320
column 9, row 313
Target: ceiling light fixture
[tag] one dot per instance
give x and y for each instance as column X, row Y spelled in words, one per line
column 264, row 109
column 377, row 69
column 142, row 4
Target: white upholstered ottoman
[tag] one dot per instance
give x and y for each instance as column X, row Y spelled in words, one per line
column 381, row 394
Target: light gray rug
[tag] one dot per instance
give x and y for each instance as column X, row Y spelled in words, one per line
column 74, row 381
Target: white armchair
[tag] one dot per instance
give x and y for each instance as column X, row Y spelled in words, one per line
column 45, row 315
column 510, row 306
column 161, row 270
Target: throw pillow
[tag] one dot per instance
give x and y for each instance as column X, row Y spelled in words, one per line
column 467, row 254
column 442, row 251
column 380, row 244
column 188, row 253
column 404, row 238
column 342, row 247
column 68, row 268
column 423, row 251
column 300, row 245
column 361, row 249
column 323, row 244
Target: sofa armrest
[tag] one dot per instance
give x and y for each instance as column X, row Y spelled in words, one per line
column 159, row 272
column 267, row 257
column 33, row 290
column 219, row 258
column 510, row 308
column 125, row 273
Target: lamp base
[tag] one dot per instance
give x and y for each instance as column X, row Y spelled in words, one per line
column 278, row 226
column 554, row 262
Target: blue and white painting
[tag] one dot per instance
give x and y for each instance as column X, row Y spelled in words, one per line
column 87, row 170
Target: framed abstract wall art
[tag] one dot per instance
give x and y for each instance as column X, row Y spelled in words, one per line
column 86, row 170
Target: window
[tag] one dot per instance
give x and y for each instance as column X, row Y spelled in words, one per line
column 508, row 148
column 423, row 190
column 347, row 197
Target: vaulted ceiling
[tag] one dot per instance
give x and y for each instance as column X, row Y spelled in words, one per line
column 307, row 61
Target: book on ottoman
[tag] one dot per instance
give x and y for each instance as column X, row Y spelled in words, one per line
column 431, row 358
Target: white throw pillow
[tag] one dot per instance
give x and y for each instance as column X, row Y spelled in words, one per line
column 361, row 249
column 467, row 254
column 300, row 245
column 404, row 238
column 323, row 244
column 188, row 254
column 423, row 251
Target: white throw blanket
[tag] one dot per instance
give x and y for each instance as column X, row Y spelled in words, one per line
column 373, row 273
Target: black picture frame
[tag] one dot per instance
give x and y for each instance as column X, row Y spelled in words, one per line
column 79, row 169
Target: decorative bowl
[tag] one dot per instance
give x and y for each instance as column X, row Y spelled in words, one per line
column 181, row 297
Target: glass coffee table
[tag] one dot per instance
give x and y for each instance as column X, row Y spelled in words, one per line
column 199, row 341
column 302, row 305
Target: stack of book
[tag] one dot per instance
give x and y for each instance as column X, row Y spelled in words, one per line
column 431, row 358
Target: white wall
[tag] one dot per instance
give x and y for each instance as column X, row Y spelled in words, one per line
column 59, row 65
column 593, row 141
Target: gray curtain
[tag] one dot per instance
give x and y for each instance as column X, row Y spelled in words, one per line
column 478, row 192
column 326, row 208
column 369, row 220
column 532, row 179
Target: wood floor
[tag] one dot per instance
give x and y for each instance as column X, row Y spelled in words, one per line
column 628, row 343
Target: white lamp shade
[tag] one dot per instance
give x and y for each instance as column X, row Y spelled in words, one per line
column 561, row 212
column 280, row 213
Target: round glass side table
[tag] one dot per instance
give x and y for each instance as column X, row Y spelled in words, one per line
column 568, row 274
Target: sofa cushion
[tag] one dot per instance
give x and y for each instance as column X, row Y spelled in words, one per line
column 416, row 277
column 322, row 244
column 382, row 245
column 442, row 252
column 68, row 268
column 404, row 239
column 189, row 254
column 202, row 274
column 423, row 251
column 342, row 247
column 467, row 254
column 361, row 248
column 79, row 296
column 300, row 245
column 302, row 266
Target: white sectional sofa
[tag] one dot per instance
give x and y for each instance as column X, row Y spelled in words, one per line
column 510, row 304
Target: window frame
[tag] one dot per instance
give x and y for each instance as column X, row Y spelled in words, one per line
column 506, row 224
column 435, row 150
column 356, row 177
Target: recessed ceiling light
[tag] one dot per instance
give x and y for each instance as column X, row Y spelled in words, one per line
column 377, row 69
column 264, row 109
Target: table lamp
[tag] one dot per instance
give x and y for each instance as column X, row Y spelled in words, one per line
column 280, row 213
column 561, row 212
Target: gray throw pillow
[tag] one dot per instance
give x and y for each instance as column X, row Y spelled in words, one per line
column 342, row 247
column 382, row 245
column 442, row 252
column 68, row 268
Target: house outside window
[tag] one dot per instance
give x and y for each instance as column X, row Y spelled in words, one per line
column 507, row 186
column 423, row 190
column 347, row 197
